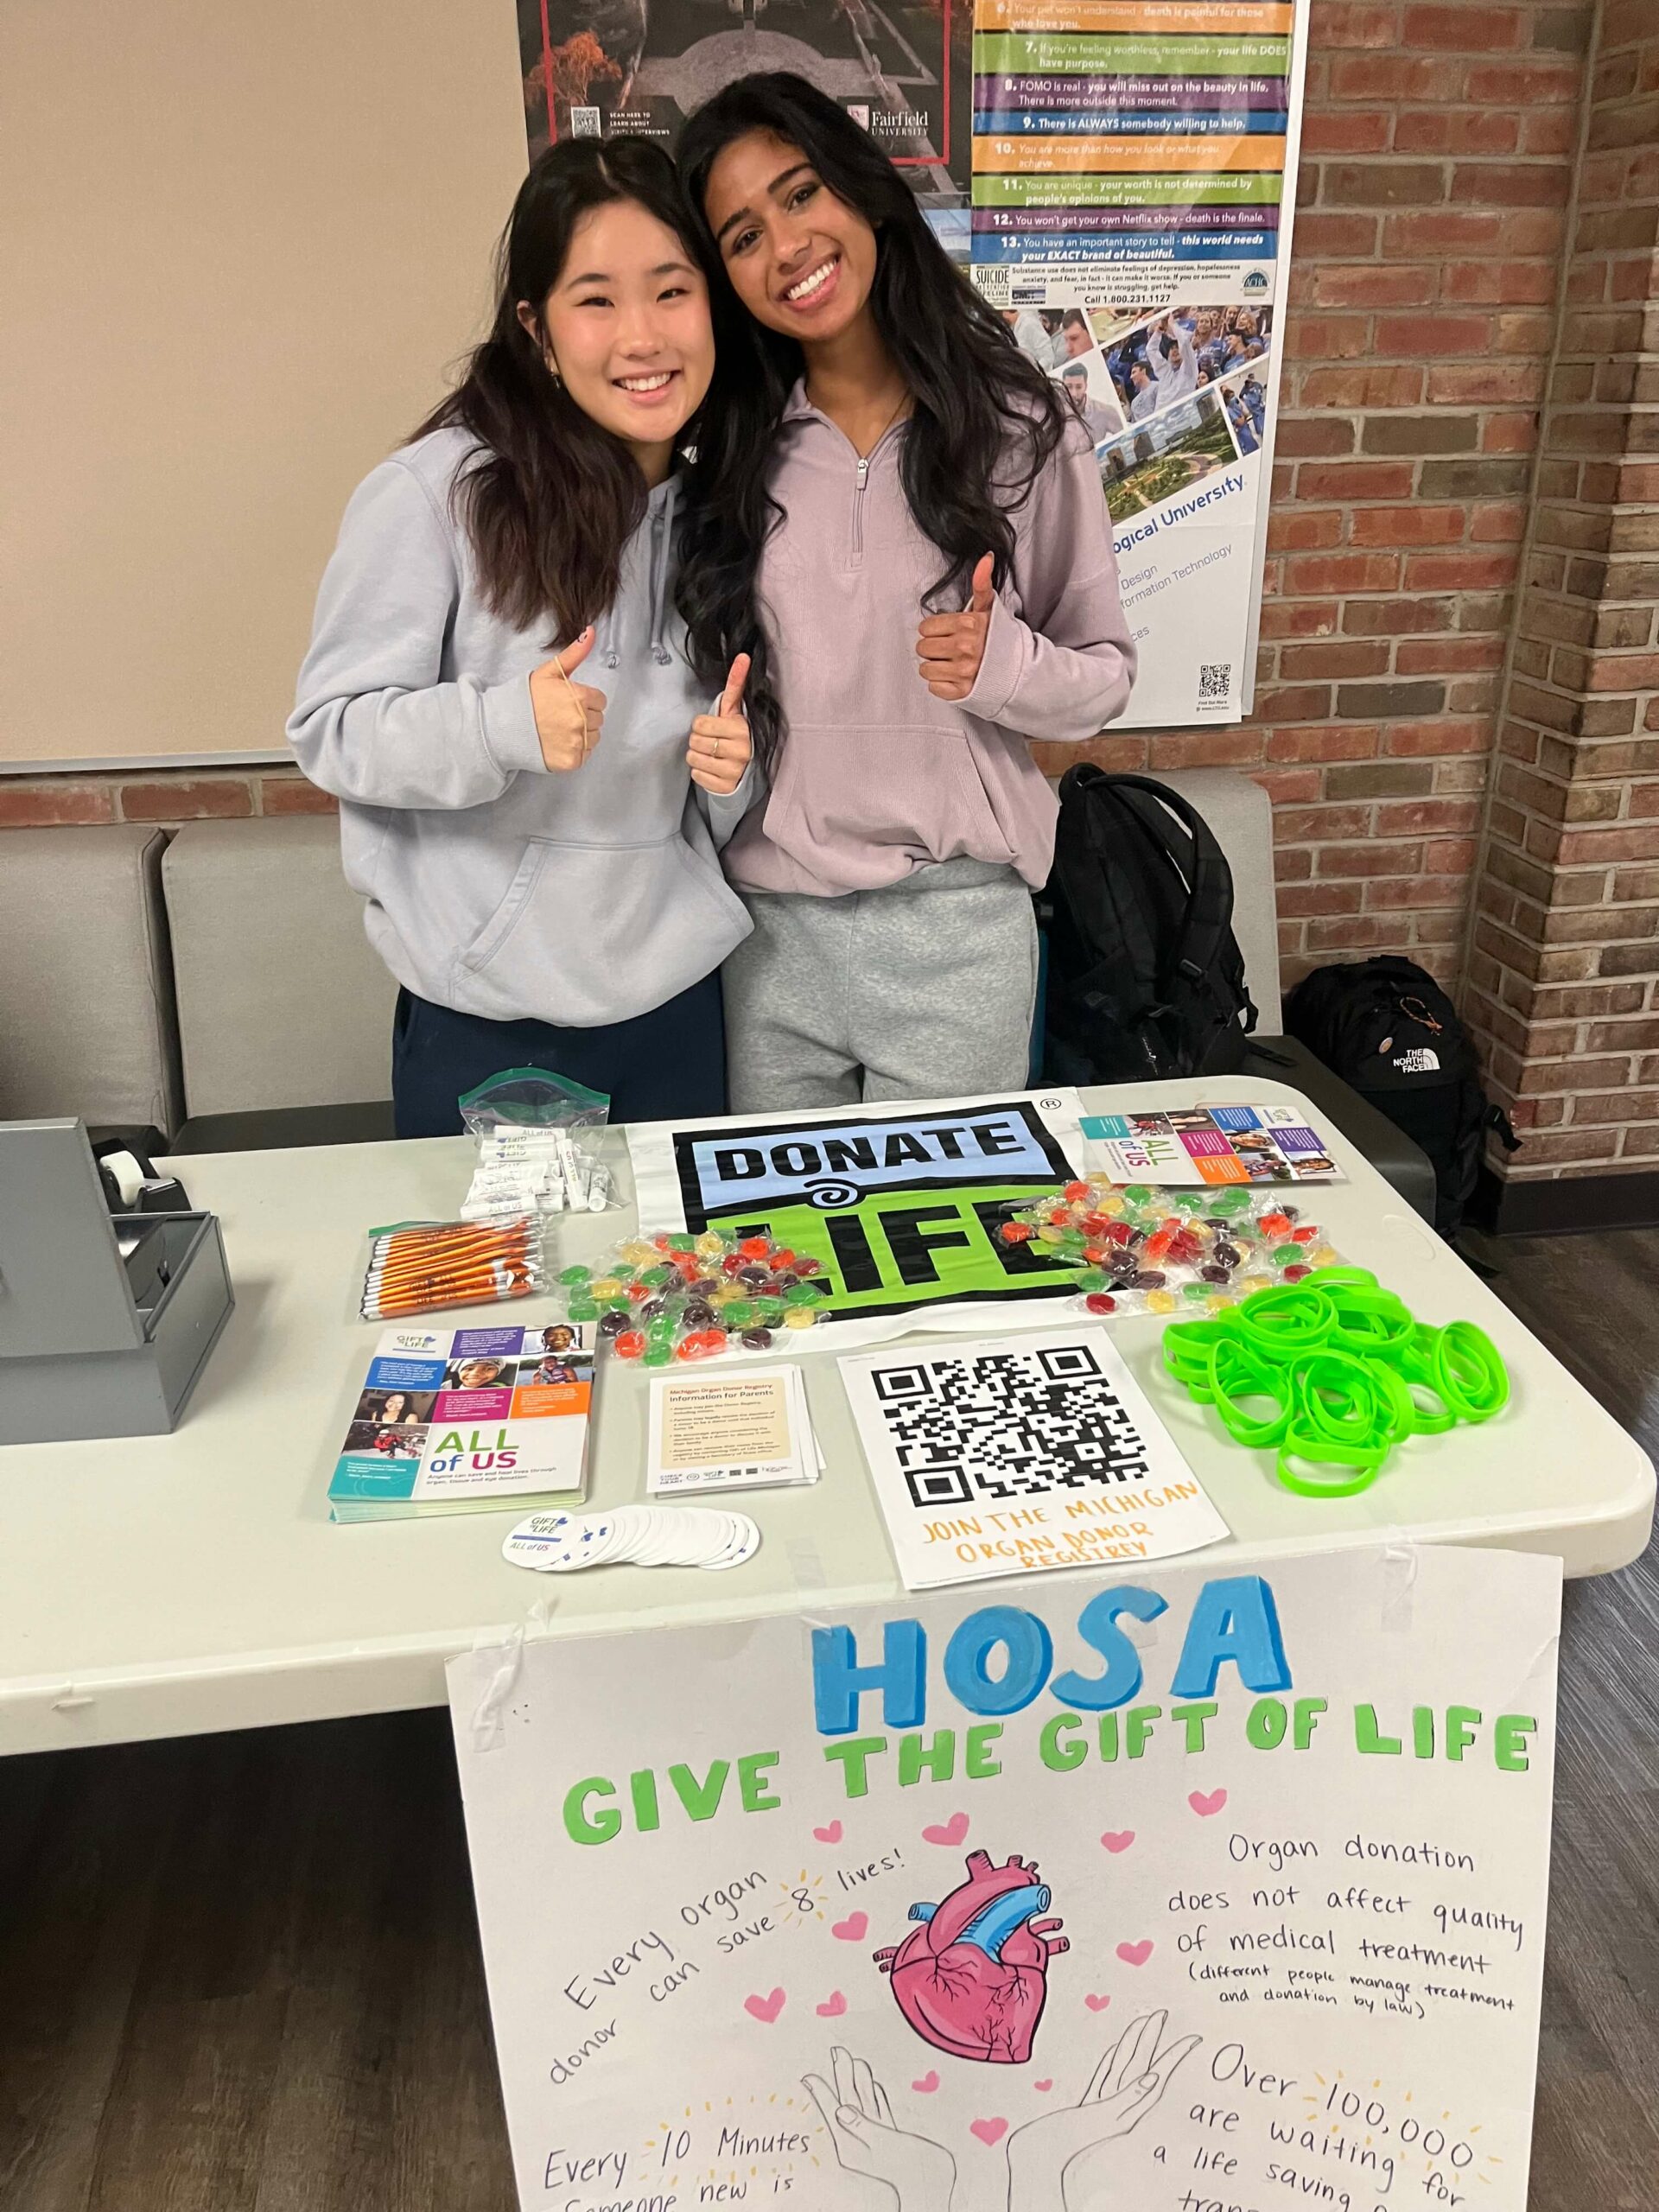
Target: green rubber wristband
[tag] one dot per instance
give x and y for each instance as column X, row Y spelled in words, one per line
column 1374, row 1319
column 1367, row 1463
column 1338, row 1399
column 1287, row 1319
column 1187, row 1348
column 1469, row 1372
column 1236, row 1373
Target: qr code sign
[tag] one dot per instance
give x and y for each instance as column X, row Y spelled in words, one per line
column 1215, row 681
column 584, row 123
column 999, row 1426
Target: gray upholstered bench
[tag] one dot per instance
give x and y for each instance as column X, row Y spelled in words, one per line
column 86, row 984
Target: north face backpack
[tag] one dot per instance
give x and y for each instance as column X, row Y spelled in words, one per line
column 1389, row 1031
column 1145, row 976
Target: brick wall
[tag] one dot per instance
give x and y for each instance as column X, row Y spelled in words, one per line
column 168, row 797
column 1564, row 967
column 1438, row 152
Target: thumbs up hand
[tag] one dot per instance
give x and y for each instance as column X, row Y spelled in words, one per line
column 719, row 747
column 950, row 647
column 568, row 716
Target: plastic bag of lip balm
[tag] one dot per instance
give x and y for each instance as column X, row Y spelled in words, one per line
column 1141, row 1249
column 662, row 1299
column 531, row 1125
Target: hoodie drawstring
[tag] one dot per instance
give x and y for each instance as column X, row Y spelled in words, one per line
column 662, row 524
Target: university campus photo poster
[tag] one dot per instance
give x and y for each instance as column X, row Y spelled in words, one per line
column 605, row 68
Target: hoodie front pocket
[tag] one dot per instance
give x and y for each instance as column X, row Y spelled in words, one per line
column 592, row 934
column 483, row 948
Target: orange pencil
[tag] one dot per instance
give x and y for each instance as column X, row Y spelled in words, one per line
column 462, row 1263
column 425, row 1251
column 399, row 1310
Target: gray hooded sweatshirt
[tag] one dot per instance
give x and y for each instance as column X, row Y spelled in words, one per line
column 493, row 886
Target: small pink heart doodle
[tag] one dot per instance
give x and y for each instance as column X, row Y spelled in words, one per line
column 833, row 2006
column 765, row 2008
column 953, row 1831
column 1204, row 1806
column 989, row 2132
column 1136, row 1955
column 853, row 1929
column 1115, row 1840
column 1096, row 2004
column 926, row 2086
column 831, row 1834
column 1042, row 2085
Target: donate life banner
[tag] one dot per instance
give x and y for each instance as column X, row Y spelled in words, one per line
column 1181, row 1894
column 1134, row 180
column 900, row 1206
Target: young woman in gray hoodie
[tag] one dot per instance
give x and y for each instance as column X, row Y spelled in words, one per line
column 898, row 515
column 498, row 690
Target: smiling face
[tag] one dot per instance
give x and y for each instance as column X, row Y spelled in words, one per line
column 802, row 261
column 627, row 329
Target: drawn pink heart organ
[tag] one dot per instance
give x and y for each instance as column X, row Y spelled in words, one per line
column 972, row 1978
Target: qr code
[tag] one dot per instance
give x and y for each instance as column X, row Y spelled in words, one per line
column 1215, row 679
column 584, row 123
column 1000, row 1425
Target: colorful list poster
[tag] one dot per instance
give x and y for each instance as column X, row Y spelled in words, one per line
column 1133, row 177
column 1198, row 1890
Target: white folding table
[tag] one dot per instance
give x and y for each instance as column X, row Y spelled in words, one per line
column 168, row 1586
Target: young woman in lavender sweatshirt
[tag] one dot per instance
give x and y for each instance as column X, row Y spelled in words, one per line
column 898, row 517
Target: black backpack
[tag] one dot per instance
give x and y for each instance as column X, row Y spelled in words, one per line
column 1389, row 1031
column 1145, row 976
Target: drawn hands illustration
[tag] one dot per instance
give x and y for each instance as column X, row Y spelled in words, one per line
column 1060, row 2159
column 867, row 2139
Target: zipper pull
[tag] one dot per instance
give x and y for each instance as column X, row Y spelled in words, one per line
column 863, row 471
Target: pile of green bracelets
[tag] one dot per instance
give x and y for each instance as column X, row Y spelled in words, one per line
column 1335, row 1371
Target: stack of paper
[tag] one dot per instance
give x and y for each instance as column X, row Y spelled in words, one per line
column 719, row 1431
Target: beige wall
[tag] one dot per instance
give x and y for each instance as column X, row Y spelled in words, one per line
column 242, row 240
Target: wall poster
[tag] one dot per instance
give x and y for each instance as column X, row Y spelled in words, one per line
column 1120, row 176
column 1133, row 182
column 598, row 69
column 1204, row 1891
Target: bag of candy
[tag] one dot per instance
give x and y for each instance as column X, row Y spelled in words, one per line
column 1141, row 1249
column 538, row 1147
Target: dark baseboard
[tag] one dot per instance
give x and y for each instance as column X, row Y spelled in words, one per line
column 1574, row 1206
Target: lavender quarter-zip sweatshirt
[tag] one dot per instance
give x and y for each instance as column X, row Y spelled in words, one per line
column 876, row 777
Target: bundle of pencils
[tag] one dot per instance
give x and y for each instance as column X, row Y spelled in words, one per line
column 420, row 1266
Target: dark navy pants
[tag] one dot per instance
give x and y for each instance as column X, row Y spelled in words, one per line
column 667, row 1064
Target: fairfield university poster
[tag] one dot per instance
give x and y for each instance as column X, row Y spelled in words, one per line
column 1193, row 1891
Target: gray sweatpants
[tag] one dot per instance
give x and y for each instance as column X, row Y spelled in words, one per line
column 922, row 990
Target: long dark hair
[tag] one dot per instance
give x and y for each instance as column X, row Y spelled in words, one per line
column 985, row 419
column 553, row 498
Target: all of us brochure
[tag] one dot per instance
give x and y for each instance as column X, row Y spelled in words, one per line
column 456, row 1420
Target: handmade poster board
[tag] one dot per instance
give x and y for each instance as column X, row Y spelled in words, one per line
column 1196, row 1892
column 900, row 1205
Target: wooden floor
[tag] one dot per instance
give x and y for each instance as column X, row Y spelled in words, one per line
column 241, row 1973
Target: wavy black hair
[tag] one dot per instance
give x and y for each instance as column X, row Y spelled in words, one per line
column 554, row 498
column 984, row 422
